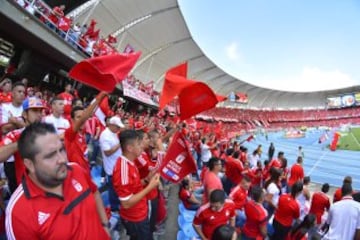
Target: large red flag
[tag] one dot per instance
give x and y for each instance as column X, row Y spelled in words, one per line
column 104, row 72
column 175, row 81
column 178, row 161
column 193, row 97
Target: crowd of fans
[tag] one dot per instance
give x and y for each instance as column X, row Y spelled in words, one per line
column 237, row 187
column 277, row 119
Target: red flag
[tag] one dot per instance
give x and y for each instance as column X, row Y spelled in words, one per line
column 251, row 137
column 178, row 161
column 173, row 85
column 104, row 72
column 194, row 97
column 91, row 28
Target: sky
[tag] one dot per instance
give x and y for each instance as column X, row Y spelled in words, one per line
column 304, row 45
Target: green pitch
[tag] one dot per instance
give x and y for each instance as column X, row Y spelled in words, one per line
column 350, row 140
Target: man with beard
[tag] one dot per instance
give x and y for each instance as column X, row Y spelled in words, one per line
column 56, row 199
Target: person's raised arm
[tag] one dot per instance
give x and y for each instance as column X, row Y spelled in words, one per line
column 88, row 112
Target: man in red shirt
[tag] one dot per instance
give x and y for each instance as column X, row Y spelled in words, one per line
column 147, row 169
column 288, row 210
column 239, row 195
column 211, row 179
column 56, row 200
column 128, row 186
column 320, row 202
column 74, row 137
column 276, row 163
column 233, row 171
column 32, row 112
column 337, row 194
column 296, row 172
column 214, row 214
column 68, row 98
column 256, row 216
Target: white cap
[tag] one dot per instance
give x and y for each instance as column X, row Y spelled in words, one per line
column 116, row 121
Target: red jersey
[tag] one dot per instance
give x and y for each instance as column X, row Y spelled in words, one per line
column 275, row 163
column 68, row 98
column 13, row 137
column 76, row 148
column 210, row 220
column 243, row 157
column 337, row 195
column 288, row 210
column 256, row 216
column 239, row 197
column 233, row 169
column 211, row 182
column 296, row 174
column 144, row 165
column 320, row 201
column 127, row 182
column 258, row 177
column 184, row 196
column 5, row 97
column 33, row 213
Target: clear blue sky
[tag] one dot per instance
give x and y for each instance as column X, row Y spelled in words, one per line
column 303, row 45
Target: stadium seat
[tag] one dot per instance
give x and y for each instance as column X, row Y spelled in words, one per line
column 187, row 227
column 96, row 174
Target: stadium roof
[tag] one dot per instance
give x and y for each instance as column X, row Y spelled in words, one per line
column 158, row 29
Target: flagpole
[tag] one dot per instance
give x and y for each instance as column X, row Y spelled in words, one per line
column 86, row 19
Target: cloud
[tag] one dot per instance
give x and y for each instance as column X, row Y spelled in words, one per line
column 310, row 79
column 232, row 51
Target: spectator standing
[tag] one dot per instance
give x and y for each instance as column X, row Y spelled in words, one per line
column 338, row 194
column 343, row 221
column 111, row 151
column 128, row 186
column 296, row 172
column 239, row 195
column 56, row 118
column 256, row 216
column 287, row 212
column 68, row 98
column 320, row 203
column 75, row 141
column 211, row 179
column 11, row 112
column 271, row 151
column 64, row 202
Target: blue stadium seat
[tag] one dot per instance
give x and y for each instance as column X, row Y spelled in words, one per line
column 96, row 174
column 187, row 227
column 182, row 236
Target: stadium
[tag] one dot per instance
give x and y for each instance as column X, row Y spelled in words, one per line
column 45, row 44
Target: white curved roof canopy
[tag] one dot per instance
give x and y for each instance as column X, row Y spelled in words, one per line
column 158, row 29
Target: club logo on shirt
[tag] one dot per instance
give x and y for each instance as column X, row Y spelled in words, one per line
column 212, row 218
column 76, row 185
column 42, row 217
column 227, row 213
